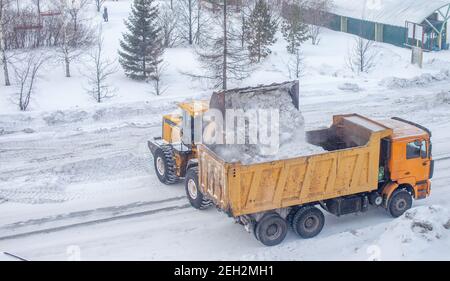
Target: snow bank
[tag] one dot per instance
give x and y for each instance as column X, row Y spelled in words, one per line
column 421, row 233
column 290, row 141
column 418, row 81
column 442, row 98
column 350, row 87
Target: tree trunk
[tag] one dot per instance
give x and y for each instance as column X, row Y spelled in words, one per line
column 67, row 63
column 190, row 22
column 5, row 69
column 144, row 69
column 197, row 37
column 225, row 46
column 99, row 91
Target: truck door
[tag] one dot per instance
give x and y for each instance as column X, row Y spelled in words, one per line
column 418, row 161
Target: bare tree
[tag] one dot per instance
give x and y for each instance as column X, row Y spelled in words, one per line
column 192, row 22
column 99, row 71
column 72, row 11
column 295, row 64
column 168, row 20
column 158, row 85
column 26, row 75
column 362, row 55
column 222, row 56
column 99, row 4
column 4, row 5
column 76, row 37
column 73, row 44
column 188, row 18
column 317, row 14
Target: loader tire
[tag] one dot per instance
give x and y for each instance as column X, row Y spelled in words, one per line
column 165, row 165
column 195, row 196
column 308, row 222
column 400, row 202
column 271, row 230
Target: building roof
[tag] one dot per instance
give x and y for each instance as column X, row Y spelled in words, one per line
column 392, row 12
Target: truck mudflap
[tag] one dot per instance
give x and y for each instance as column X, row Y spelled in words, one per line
column 154, row 144
column 422, row 190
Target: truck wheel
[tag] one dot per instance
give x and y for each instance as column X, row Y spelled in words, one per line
column 195, row 196
column 308, row 222
column 290, row 216
column 271, row 230
column 165, row 166
column 400, row 202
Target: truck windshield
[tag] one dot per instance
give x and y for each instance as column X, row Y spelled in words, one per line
column 187, row 128
column 416, row 149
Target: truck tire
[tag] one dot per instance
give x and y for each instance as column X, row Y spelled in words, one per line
column 165, row 165
column 308, row 222
column 271, row 230
column 195, row 196
column 290, row 216
column 399, row 203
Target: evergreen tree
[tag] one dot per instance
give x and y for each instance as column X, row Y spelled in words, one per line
column 261, row 29
column 295, row 32
column 142, row 45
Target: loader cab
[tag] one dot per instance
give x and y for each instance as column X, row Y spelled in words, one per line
column 409, row 159
column 179, row 128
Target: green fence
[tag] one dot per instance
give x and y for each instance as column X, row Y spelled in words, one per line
column 362, row 28
column 394, row 35
column 335, row 22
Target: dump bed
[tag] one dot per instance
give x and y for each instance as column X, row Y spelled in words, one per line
column 350, row 166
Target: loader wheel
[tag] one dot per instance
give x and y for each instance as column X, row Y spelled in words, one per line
column 195, row 196
column 400, row 202
column 271, row 230
column 165, row 166
column 308, row 222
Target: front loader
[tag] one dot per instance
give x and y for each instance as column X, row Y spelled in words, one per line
column 173, row 151
column 176, row 150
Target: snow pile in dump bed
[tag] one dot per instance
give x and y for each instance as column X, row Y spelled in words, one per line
column 418, row 81
column 421, row 233
column 291, row 140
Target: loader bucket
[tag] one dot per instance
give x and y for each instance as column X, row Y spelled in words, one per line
column 220, row 101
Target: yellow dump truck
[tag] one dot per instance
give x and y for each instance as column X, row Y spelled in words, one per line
column 381, row 163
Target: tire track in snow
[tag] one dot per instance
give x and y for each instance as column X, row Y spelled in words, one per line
column 169, row 208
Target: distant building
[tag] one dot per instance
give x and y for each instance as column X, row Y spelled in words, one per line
column 422, row 23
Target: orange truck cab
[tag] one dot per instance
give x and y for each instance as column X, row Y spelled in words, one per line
column 406, row 159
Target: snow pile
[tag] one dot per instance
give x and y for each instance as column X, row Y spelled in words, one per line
column 421, row 233
column 418, row 81
column 350, row 87
column 290, row 141
column 442, row 98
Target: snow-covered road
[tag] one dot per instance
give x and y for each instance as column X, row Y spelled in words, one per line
column 77, row 179
column 88, row 182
